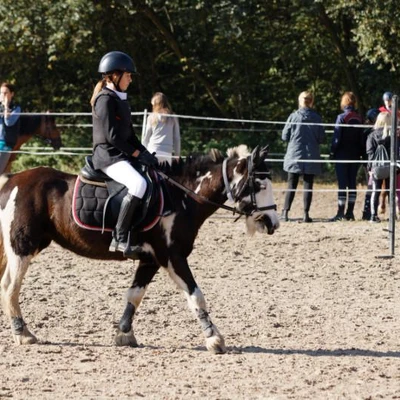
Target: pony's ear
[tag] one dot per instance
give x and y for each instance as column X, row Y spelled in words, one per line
column 216, row 155
column 255, row 155
column 264, row 152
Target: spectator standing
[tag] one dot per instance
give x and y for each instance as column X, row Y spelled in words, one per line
column 380, row 135
column 9, row 123
column 387, row 107
column 387, row 102
column 370, row 119
column 304, row 133
column 347, row 144
column 162, row 134
column 116, row 149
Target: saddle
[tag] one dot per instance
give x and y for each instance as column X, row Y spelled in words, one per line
column 97, row 199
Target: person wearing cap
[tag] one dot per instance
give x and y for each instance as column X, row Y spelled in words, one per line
column 115, row 145
column 387, row 107
column 387, row 102
column 370, row 120
column 304, row 133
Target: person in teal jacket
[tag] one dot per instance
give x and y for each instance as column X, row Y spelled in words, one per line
column 9, row 123
column 304, row 134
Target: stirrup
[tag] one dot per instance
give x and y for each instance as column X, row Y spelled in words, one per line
column 129, row 251
column 132, row 251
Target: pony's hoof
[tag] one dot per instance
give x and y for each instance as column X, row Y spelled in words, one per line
column 126, row 339
column 216, row 344
column 25, row 338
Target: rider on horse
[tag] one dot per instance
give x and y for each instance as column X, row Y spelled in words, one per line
column 115, row 145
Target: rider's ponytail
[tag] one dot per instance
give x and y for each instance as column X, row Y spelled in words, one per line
column 99, row 86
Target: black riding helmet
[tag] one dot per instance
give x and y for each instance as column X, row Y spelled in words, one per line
column 116, row 61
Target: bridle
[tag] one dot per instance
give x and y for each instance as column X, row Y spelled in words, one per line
column 47, row 133
column 250, row 182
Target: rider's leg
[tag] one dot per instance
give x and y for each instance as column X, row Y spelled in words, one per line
column 124, row 173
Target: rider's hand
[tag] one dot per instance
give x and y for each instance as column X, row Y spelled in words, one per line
column 148, row 159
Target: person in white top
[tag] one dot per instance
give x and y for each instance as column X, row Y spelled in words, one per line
column 162, row 134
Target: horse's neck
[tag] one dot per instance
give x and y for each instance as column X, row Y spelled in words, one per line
column 208, row 189
column 22, row 139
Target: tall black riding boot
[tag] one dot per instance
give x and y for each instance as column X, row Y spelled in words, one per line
column 339, row 215
column 121, row 236
column 350, row 212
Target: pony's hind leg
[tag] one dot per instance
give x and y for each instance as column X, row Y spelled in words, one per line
column 180, row 273
column 11, row 282
column 143, row 276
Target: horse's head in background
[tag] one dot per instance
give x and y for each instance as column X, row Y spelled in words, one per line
column 42, row 126
column 251, row 188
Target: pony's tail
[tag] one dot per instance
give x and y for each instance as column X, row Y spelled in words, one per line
column 3, row 257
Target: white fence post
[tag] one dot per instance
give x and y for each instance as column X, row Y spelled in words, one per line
column 393, row 175
column 144, row 122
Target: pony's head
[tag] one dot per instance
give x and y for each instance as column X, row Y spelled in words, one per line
column 250, row 188
column 42, row 126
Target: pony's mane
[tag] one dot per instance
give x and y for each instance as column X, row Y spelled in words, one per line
column 241, row 151
column 192, row 163
column 29, row 124
column 199, row 163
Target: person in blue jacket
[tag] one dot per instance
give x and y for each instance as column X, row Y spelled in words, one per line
column 304, row 133
column 9, row 123
column 348, row 144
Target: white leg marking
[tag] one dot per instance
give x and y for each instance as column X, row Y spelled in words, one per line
column 215, row 342
column 135, row 295
column 14, row 272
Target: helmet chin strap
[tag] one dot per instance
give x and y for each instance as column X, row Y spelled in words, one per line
column 116, row 84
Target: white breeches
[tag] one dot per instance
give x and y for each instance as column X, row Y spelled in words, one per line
column 124, row 173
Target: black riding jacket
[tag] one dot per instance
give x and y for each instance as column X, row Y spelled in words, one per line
column 113, row 137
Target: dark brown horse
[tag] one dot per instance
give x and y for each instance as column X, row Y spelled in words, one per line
column 41, row 126
column 35, row 209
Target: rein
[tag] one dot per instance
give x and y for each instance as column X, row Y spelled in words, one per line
column 250, row 181
column 198, row 197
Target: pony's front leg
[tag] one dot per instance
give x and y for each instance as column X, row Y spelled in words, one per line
column 11, row 282
column 143, row 276
column 181, row 274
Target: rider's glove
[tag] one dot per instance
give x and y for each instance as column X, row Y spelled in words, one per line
column 148, row 159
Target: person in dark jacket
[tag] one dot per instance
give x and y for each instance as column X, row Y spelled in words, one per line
column 380, row 135
column 304, row 133
column 9, row 123
column 115, row 145
column 348, row 144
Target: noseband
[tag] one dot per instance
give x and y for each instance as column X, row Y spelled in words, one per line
column 250, row 183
